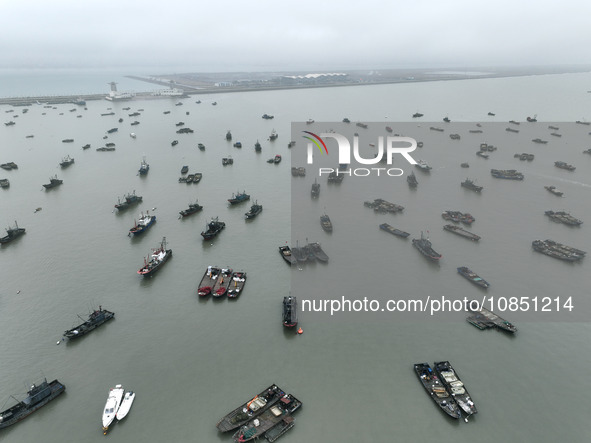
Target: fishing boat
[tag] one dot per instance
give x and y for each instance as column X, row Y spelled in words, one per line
column 564, row 165
column 473, row 277
column 258, row 426
column 417, row 115
column 326, row 223
column 227, row 161
column 315, row 189
column 228, row 135
column 208, row 281
column 158, row 257
column 423, row 166
column 129, row 199
column 424, row 246
column 12, row 233
column 411, row 179
column 299, row 254
column 184, row 169
column 112, row 406
column 214, row 227
column 507, row 174
column 558, row 250
column 222, row 283
column 257, row 147
column 174, row 143
column 469, row 184
column 193, row 208
column 125, row 405
column 280, row 428
column 237, row 284
column 277, row 159
column 449, row 377
column 53, row 182
column 290, row 312
column 144, row 167
column 563, row 217
column 145, row 221
column 397, row 232
column 201, row 146
column 268, row 117
column 255, row 210
column 95, row 319
column 285, row 252
column 553, row 190
column 482, row 318
column 37, row 397
column 86, row 146
column 250, row 409
column 436, row 390
column 318, row 252
column 461, row 232
column 4, row 183
column 239, row 198
column 66, row 161
column 273, row 135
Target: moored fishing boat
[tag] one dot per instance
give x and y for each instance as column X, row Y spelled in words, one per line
column 326, row 223
column 144, row 167
column 285, row 252
column 66, row 161
column 469, row 184
column 193, row 208
column 158, row 257
column 208, row 281
column 461, row 232
column 53, row 182
column 424, row 246
column 315, row 189
column 145, row 221
column 129, row 199
column 411, row 179
column 258, row 427
column 250, row 409
column 239, row 198
column 95, row 319
column 214, row 227
column 237, row 284
column 12, row 233
column 473, row 277
column 553, row 190
column 448, row 376
column 222, row 283
column 436, row 390
column 255, row 210
column 397, row 232
column 37, row 397
column 112, row 406
column 318, row 252
column 290, row 311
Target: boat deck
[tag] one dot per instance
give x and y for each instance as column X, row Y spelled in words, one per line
column 485, row 319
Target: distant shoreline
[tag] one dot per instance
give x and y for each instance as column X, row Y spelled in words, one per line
column 221, row 83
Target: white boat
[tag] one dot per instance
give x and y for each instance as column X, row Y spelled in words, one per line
column 132, row 135
column 125, row 405
column 112, row 406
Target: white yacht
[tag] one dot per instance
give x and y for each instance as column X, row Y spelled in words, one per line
column 125, row 405
column 112, row 406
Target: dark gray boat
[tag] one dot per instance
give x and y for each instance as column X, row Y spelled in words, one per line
column 95, row 319
column 37, row 397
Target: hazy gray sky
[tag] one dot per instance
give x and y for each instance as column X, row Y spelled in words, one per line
column 272, row 35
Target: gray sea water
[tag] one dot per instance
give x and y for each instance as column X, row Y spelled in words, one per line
column 192, row 360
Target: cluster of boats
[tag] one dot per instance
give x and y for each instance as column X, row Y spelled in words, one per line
column 382, row 206
column 457, row 217
column 482, row 319
column 308, row 253
column 524, row 156
column 117, row 406
column 507, row 174
column 563, row 217
column 191, row 178
column 268, row 414
column 558, row 250
column 220, row 282
column 446, row 389
column 298, row 171
column 335, row 178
